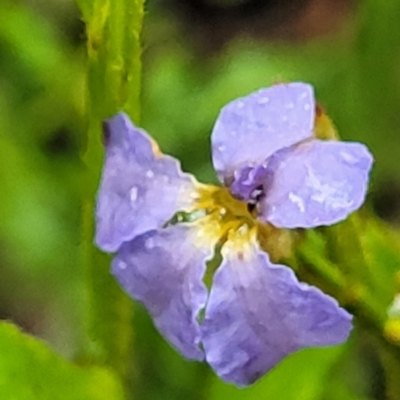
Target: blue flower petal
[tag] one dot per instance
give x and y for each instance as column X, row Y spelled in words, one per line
column 164, row 270
column 258, row 313
column 251, row 129
column 316, row 183
column 140, row 189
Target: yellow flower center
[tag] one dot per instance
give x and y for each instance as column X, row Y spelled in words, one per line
column 228, row 221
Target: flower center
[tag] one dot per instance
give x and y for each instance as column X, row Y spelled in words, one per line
column 255, row 196
column 219, row 203
column 224, row 217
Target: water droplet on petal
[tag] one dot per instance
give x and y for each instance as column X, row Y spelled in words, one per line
column 289, row 106
column 307, row 106
column 240, row 104
column 221, row 148
column 348, row 158
column 150, row 174
column 298, row 201
column 122, row 264
column 263, row 100
column 134, row 193
column 302, row 96
column 149, row 243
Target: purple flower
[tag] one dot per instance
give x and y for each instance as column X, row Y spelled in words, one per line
column 165, row 226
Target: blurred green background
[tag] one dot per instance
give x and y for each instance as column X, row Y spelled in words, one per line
column 197, row 55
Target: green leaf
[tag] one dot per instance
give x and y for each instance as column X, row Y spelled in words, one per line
column 29, row 370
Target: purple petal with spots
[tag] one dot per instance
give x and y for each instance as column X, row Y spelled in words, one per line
column 139, row 190
column 316, row 183
column 164, row 270
column 258, row 313
column 251, row 129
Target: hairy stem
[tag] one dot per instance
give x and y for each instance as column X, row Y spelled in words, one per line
column 113, row 83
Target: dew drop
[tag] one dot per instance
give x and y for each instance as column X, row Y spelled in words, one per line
column 149, row 243
column 263, row 100
column 221, row 148
column 307, row 106
column 303, row 96
column 150, row 174
column 348, row 158
column 289, row 106
column 134, row 193
column 122, row 265
column 298, row 201
column 240, row 104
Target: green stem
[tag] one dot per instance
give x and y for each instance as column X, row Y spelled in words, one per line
column 110, row 310
column 114, row 74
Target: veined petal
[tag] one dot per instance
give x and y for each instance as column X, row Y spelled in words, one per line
column 251, row 129
column 164, row 270
column 258, row 313
column 140, row 190
column 316, row 183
